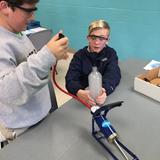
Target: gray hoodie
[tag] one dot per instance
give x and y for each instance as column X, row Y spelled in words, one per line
column 24, row 74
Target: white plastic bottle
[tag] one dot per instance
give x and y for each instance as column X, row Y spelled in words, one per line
column 95, row 83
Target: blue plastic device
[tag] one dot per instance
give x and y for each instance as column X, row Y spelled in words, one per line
column 106, row 131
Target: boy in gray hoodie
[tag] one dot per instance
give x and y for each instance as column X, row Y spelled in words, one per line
column 24, row 72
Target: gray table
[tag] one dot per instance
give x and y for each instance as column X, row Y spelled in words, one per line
column 66, row 133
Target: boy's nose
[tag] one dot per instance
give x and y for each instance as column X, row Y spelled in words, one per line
column 31, row 18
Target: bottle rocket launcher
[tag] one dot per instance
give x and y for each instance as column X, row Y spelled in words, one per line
column 105, row 129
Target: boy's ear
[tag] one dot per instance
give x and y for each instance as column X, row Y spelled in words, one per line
column 3, row 7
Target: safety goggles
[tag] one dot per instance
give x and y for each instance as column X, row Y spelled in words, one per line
column 28, row 10
column 95, row 37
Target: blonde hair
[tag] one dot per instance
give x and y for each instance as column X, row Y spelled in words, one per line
column 98, row 24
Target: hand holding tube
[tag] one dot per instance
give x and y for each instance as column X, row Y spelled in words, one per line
column 58, row 47
column 84, row 94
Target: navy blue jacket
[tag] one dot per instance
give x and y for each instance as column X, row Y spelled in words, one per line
column 81, row 65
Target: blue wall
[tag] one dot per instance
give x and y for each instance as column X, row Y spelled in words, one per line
column 135, row 25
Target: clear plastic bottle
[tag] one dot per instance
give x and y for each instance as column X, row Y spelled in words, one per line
column 95, row 83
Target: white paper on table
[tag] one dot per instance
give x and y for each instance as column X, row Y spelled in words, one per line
column 38, row 29
column 33, row 30
column 152, row 64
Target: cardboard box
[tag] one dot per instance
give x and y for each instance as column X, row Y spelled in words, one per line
column 148, row 84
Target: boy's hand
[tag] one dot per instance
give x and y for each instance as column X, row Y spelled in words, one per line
column 101, row 98
column 58, row 46
column 84, row 95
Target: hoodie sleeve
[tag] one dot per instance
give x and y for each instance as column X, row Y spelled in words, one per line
column 112, row 74
column 73, row 80
column 19, row 82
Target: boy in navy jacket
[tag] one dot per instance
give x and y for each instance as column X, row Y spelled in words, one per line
column 99, row 54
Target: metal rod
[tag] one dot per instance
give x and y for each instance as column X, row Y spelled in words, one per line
column 120, row 149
